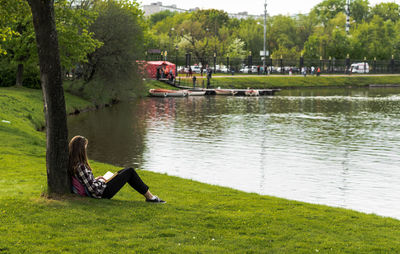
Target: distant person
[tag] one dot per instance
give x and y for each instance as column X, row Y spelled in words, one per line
column 209, row 72
column 158, row 73
column 190, row 71
column 304, row 71
column 312, row 70
column 85, row 184
column 318, row 71
column 194, row 81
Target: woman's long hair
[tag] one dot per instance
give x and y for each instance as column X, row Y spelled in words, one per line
column 77, row 153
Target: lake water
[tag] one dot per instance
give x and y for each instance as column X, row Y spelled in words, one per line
column 339, row 147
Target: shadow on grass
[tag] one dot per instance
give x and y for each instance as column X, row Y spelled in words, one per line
column 85, row 203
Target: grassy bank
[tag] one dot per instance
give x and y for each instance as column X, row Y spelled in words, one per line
column 243, row 82
column 153, row 84
column 198, row 218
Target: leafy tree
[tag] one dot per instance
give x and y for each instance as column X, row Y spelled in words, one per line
column 72, row 24
column 204, row 34
column 282, row 33
column 8, row 10
column 359, row 10
column 338, row 45
column 328, row 9
column 312, row 47
column 160, row 16
column 286, row 53
column 374, row 39
column 305, row 27
column 21, row 47
column 387, row 11
column 329, row 40
column 119, row 26
column 251, row 32
column 396, row 42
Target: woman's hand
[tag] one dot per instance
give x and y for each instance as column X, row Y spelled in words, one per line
column 100, row 178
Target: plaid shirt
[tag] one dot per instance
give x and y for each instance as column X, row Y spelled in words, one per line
column 85, row 176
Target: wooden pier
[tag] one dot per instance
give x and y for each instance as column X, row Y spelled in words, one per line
column 211, row 91
column 242, row 92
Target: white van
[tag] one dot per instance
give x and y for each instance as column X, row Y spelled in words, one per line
column 359, row 68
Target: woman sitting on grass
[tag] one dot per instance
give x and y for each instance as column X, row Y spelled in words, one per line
column 84, row 183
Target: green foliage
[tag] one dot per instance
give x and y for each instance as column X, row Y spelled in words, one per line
column 359, row 10
column 74, row 39
column 374, row 39
column 321, row 33
column 7, row 72
column 198, row 218
column 112, row 68
column 387, row 11
column 251, row 34
column 328, row 9
column 160, row 16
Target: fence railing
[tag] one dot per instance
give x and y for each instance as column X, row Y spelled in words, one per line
column 282, row 65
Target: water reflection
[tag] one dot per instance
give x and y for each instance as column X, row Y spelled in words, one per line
column 331, row 146
column 115, row 134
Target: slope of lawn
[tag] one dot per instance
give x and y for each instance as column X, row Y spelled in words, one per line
column 198, row 218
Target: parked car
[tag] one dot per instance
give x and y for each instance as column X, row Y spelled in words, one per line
column 196, row 69
column 182, row 69
column 359, row 68
column 224, row 70
column 249, row 69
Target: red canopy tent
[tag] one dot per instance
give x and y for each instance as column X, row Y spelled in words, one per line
column 152, row 66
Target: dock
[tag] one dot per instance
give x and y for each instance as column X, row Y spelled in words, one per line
column 241, row 92
column 211, row 91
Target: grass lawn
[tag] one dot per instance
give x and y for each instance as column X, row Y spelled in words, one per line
column 198, row 218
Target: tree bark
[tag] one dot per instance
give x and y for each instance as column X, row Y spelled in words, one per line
column 53, row 95
column 20, row 74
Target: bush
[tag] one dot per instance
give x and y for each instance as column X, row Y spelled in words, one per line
column 7, row 73
column 31, row 77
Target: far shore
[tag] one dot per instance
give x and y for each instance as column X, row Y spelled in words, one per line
column 282, row 81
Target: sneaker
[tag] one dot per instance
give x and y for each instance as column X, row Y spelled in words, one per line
column 156, row 200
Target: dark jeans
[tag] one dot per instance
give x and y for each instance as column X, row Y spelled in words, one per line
column 124, row 176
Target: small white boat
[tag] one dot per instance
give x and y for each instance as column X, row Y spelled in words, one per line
column 225, row 92
column 168, row 93
column 251, row 92
column 196, row 93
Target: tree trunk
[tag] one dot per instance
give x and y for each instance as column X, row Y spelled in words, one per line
column 20, row 74
column 53, row 95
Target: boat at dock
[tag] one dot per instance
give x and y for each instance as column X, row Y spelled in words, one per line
column 251, row 92
column 168, row 93
column 196, row 92
column 225, row 92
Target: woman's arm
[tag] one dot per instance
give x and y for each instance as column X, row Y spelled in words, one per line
column 95, row 186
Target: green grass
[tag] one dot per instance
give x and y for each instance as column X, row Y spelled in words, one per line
column 198, row 218
column 276, row 81
column 154, row 84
